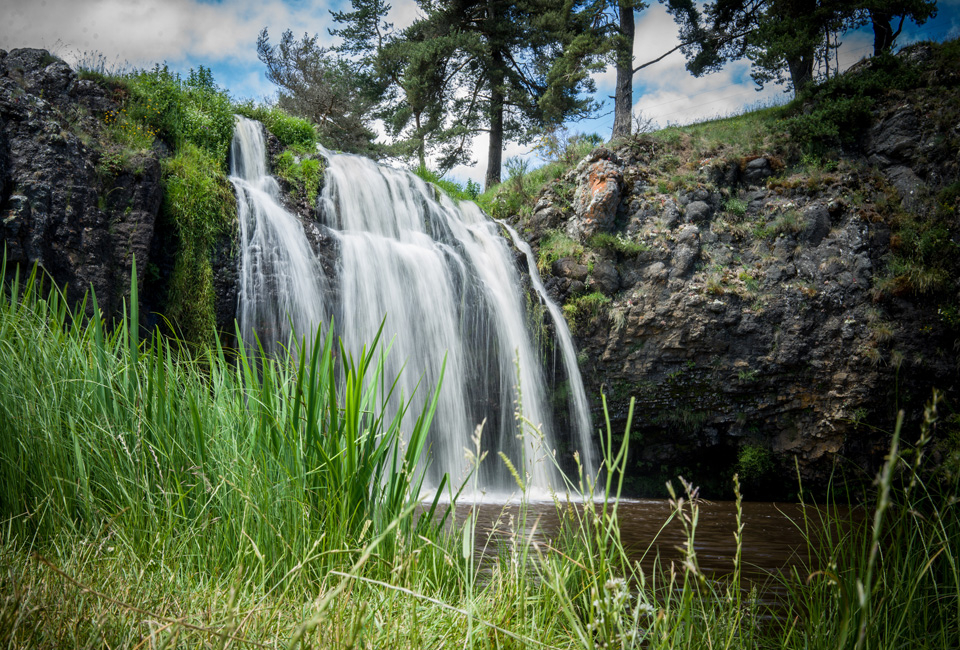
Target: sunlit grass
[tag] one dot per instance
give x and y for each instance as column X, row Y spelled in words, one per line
column 157, row 497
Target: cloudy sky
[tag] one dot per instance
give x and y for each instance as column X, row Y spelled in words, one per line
column 221, row 34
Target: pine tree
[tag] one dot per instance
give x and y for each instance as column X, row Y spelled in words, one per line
column 881, row 14
column 604, row 36
column 321, row 86
column 782, row 38
column 507, row 83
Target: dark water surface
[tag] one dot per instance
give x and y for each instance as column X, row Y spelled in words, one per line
column 774, row 538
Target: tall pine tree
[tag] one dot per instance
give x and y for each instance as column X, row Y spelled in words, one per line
column 507, row 84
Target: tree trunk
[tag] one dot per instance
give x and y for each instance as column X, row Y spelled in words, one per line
column 623, row 100
column 495, row 150
column 801, row 72
column 882, row 31
column 421, row 143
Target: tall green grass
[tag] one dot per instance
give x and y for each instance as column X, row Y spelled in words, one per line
column 156, row 496
column 263, row 462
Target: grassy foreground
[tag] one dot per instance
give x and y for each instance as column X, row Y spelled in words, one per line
column 153, row 497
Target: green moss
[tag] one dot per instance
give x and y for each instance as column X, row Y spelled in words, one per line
column 302, row 170
column 754, row 463
column 686, row 420
column 583, row 309
column 200, row 204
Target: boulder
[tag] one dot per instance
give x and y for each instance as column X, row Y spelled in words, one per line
column 597, row 198
column 757, row 171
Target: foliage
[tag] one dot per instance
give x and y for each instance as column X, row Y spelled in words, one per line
column 269, row 461
column 303, row 170
column 787, row 222
column 924, row 256
column 839, row 111
column 182, row 111
column 558, row 144
column 785, row 39
column 735, row 206
column 256, row 504
column 754, row 463
column 555, row 245
column 195, row 118
column 618, row 244
column 449, row 187
column 290, row 130
column 199, row 203
column 322, row 87
column 505, row 50
column 582, row 310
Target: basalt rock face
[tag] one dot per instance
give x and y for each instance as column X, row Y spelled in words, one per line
column 747, row 310
column 81, row 215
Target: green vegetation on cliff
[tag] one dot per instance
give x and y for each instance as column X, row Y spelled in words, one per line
column 200, row 204
column 189, row 122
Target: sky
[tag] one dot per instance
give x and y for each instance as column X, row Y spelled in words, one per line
column 222, row 35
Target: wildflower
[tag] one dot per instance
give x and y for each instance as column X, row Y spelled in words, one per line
column 646, row 608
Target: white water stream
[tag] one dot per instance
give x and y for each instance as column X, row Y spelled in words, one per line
column 443, row 280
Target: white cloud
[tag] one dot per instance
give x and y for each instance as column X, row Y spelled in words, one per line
column 147, row 31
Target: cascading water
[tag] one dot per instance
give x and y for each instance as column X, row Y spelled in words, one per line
column 579, row 409
column 281, row 283
column 441, row 279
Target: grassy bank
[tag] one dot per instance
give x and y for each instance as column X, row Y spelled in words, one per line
column 154, row 497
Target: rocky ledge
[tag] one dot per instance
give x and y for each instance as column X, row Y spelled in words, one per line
column 751, row 300
column 67, row 203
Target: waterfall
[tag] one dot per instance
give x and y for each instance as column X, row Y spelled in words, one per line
column 579, row 409
column 282, row 286
column 444, row 283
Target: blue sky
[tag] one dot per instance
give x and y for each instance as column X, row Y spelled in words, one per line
column 221, row 34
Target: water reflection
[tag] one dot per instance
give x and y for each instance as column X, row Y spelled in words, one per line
column 774, row 538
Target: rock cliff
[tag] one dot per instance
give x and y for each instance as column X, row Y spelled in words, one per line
column 75, row 207
column 764, row 306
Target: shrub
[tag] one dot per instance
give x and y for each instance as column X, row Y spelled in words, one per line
column 838, row 111
column 618, row 244
column 753, row 463
column 194, row 111
column 735, row 206
column 290, row 131
column 925, row 253
column 303, row 172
